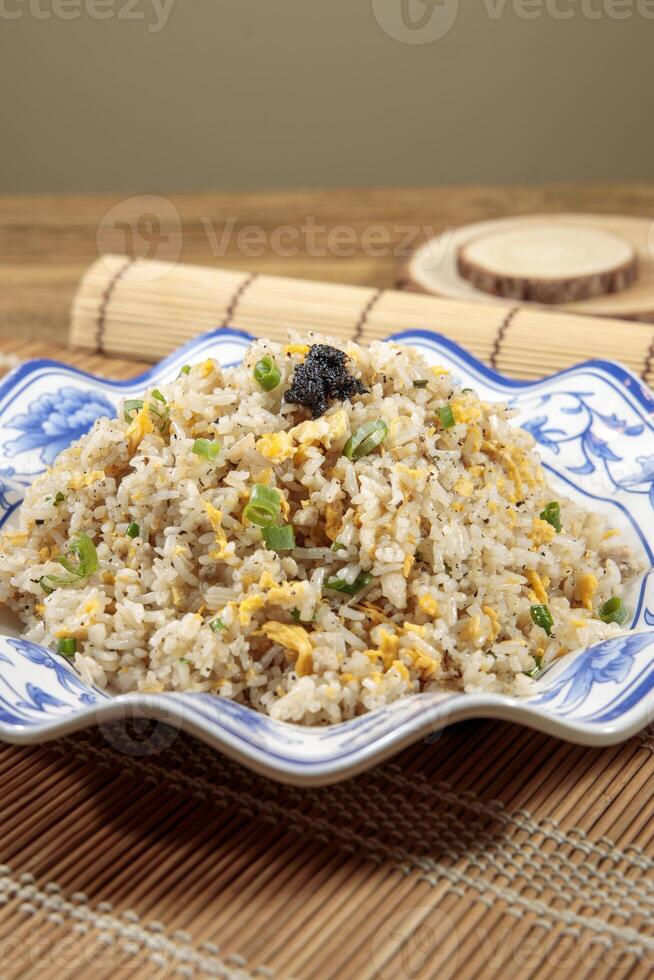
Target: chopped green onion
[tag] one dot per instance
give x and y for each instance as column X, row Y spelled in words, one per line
column 552, row 514
column 46, row 588
column 131, row 408
column 87, row 562
column 264, row 506
column 465, row 391
column 295, row 616
column 84, row 550
column 165, row 411
column 134, row 405
column 365, row 439
column 535, row 670
column 349, row 588
column 338, row 546
column 421, row 383
column 67, row 646
column 542, row 617
column 217, row 625
column 613, row 611
column 185, row 369
column 59, row 497
column 185, row 660
column 207, row 448
column 133, row 530
column 446, row 415
column 266, row 373
column 279, row 538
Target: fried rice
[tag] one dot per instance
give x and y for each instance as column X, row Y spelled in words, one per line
column 429, row 553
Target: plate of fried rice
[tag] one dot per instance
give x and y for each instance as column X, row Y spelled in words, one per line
column 310, row 554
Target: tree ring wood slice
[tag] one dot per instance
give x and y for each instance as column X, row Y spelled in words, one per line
column 433, row 267
column 549, row 263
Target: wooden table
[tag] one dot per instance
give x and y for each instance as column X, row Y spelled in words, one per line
column 46, row 243
column 536, row 863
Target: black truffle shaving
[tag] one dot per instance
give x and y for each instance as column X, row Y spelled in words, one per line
column 322, row 376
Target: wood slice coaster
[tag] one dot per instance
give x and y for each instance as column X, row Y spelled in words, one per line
column 593, row 264
column 549, row 263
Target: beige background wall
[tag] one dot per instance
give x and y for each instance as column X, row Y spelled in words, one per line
column 281, row 93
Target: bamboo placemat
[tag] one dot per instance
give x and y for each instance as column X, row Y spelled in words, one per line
column 147, row 309
column 490, row 851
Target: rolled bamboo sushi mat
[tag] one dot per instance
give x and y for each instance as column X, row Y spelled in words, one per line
column 488, row 851
column 146, row 309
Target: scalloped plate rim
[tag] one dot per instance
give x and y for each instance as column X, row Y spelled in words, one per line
column 445, row 709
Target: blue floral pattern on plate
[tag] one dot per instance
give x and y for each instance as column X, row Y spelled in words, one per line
column 54, row 420
column 595, row 429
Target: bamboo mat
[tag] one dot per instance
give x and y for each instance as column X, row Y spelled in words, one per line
column 490, row 851
column 146, row 309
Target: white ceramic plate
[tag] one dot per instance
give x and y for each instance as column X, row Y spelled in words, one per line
column 594, row 424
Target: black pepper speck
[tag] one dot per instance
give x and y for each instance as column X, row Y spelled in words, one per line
column 321, row 377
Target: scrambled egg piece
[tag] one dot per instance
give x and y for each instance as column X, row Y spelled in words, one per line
column 333, row 519
column 262, row 476
column 296, row 349
column 414, row 628
column 15, row 537
column 541, row 533
column 287, row 595
column 464, row 410
column 387, row 651
column 389, row 644
column 138, row 428
column 296, row 640
column 412, row 474
column 248, row 606
column 464, row 486
column 438, row 370
column 495, row 622
column 323, row 430
column 509, row 465
column 79, row 480
column 421, row 662
column 408, row 565
column 429, row 605
column 275, row 446
column 401, row 669
column 532, row 475
column 376, row 615
column 470, row 632
column 586, row 589
column 537, row 585
column 215, row 519
column 206, row 368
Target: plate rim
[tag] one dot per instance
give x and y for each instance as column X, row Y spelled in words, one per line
column 317, row 772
